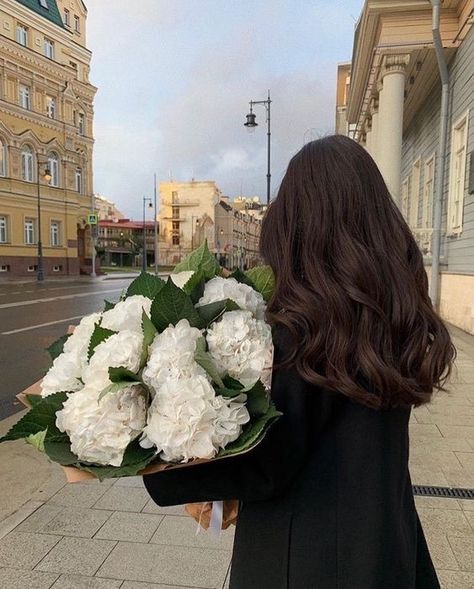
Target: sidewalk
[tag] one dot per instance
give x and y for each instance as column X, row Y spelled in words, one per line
column 110, row 535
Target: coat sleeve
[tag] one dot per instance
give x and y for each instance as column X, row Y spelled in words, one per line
column 267, row 470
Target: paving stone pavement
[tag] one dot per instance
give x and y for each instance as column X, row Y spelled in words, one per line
column 111, row 535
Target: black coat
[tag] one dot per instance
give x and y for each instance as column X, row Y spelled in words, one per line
column 326, row 498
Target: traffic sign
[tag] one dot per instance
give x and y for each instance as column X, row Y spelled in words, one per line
column 92, row 218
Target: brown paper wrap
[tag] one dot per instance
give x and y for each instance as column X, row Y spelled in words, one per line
column 201, row 512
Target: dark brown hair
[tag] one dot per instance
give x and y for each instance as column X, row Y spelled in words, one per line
column 350, row 283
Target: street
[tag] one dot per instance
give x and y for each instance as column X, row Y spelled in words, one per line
column 34, row 315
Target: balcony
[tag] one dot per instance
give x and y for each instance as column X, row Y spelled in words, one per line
column 181, row 203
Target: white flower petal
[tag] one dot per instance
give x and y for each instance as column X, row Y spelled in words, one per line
column 248, row 299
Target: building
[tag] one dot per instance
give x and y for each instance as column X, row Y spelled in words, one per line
column 46, row 123
column 106, row 209
column 120, row 242
column 186, row 218
column 342, row 95
column 394, row 109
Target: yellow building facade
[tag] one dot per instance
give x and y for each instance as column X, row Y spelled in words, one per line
column 46, row 125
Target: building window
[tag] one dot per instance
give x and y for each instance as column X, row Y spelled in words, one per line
column 175, row 226
column 3, row 159
column 77, row 24
column 27, row 166
column 3, row 229
column 49, row 48
column 415, row 194
column 32, row 268
column 457, row 173
column 44, row 4
column 22, row 35
column 54, row 229
column 175, row 239
column 174, row 196
column 79, row 180
column 81, row 123
column 57, row 268
column 67, row 17
column 50, row 107
column 53, row 165
column 25, row 100
column 428, row 189
column 406, row 190
column 30, row 231
column 175, row 212
column 4, row 268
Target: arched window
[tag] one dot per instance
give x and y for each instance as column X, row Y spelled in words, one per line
column 3, row 158
column 79, row 183
column 27, row 163
column 53, row 165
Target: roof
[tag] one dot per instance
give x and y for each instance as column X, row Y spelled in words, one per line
column 126, row 224
column 51, row 13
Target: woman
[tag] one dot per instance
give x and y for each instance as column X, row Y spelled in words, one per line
column 326, row 498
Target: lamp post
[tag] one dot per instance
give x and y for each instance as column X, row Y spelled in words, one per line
column 157, row 261
column 148, row 200
column 251, row 124
column 47, row 176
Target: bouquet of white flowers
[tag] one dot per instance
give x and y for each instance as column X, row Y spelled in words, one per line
column 175, row 371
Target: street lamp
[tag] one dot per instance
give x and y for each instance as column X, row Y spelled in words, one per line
column 251, row 124
column 47, row 177
column 148, row 200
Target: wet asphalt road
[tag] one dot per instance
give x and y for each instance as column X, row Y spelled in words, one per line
column 32, row 316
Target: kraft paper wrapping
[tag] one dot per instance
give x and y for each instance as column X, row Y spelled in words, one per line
column 202, row 512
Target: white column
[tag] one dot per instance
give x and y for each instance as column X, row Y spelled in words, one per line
column 374, row 111
column 390, row 124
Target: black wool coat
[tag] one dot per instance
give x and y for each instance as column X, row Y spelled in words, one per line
column 326, row 497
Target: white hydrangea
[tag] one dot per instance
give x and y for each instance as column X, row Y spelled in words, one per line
column 248, row 299
column 181, row 278
column 171, row 355
column 181, row 420
column 64, row 375
column 78, row 341
column 100, row 431
column 240, row 346
column 232, row 414
column 127, row 314
column 121, row 349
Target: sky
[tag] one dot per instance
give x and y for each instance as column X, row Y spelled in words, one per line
column 175, row 78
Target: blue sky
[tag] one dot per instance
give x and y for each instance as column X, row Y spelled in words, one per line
column 175, row 78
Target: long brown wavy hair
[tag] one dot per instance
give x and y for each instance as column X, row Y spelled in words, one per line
column 350, row 283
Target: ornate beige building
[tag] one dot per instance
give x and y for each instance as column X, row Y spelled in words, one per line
column 46, row 123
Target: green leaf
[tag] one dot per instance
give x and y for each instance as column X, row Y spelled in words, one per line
column 99, row 335
column 194, row 287
column 146, row 285
column 263, row 279
column 228, row 393
column 42, row 416
column 34, row 399
column 241, row 277
column 252, row 433
column 233, row 384
column 108, row 305
column 58, row 449
column 37, row 440
column 258, row 400
column 122, row 374
column 149, row 332
column 213, row 311
column 200, row 259
column 171, row 305
column 204, row 359
column 57, row 347
column 116, row 387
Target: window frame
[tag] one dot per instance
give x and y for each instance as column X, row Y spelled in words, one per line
column 67, row 17
column 57, row 233
column 3, row 159
column 29, row 226
column 455, row 208
column 48, row 48
column 27, row 164
column 22, row 39
column 51, row 107
column 4, row 229
column 81, row 123
column 77, row 24
column 24, row 96
column 428, row 194
column 53, row 165
column 79, row 180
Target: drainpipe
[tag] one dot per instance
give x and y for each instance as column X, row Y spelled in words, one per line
column 443, row 133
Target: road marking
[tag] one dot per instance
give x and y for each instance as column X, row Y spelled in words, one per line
column 41, row 325
column 59, row 298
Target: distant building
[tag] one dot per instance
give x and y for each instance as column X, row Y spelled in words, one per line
column 394, row 110
column 46, row 123
column 120, row 243
column 106, row 209
column 342, row 95
column 186, row 218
